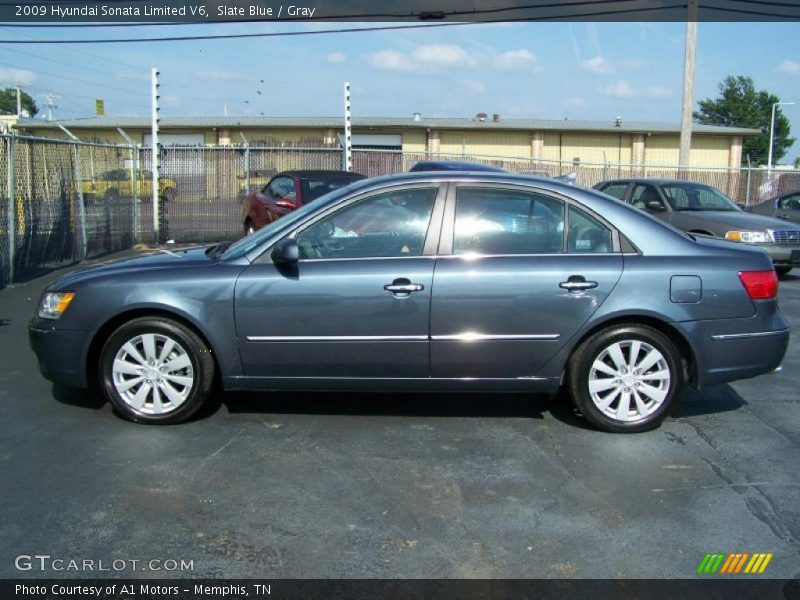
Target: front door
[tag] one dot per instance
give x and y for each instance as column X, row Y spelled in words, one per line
column 356, row 305
column 522, row 272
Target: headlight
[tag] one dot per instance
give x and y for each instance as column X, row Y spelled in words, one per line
column 54, row 304
column 750, row 237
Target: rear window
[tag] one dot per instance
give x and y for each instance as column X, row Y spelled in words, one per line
column 615, row 189
column 313, row 188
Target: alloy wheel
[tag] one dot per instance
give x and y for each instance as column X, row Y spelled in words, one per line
column 153, row 374
column 629, row 380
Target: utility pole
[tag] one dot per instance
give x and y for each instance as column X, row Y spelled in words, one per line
column 155, row 148
column 348, row 134
column 50, row 106
column 19, row 102
column 684, row 156
column 772, row 131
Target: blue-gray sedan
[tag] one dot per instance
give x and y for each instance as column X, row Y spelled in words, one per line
column 425, row 281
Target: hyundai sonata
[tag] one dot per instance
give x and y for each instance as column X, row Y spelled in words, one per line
column 425, row 281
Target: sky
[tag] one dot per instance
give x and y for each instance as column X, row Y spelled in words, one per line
column 596, row 71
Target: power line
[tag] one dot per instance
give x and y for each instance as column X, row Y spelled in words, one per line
column 83, row 67
column 337, row 31
column 746, row 11
column 127, row 91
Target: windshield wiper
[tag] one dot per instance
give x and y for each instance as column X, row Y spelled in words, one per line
column 217, row 250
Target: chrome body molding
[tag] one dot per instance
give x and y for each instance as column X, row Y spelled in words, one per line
column 337, row 338
column 744, row 336
column 458, row 337
column 483, row 337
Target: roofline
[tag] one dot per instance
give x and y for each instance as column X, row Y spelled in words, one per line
column 386, row 123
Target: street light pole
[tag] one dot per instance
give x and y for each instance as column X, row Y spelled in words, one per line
column 772, row 130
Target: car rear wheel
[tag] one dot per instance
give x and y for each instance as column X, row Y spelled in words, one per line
column 155, row 370
column 625, row 379
column 782, row 271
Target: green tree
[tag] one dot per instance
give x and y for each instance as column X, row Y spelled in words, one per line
column 8, row 102
column 740, row 105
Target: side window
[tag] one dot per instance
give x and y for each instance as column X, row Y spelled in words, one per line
column 587, row 235
column 642, row 194
column 616, row 189
column 391, row 224
column 283, row 187
column 790, row 202
column 496, row 221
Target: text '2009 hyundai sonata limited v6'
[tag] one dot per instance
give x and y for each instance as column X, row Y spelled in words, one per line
column 425, row 281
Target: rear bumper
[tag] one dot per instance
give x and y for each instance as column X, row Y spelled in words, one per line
column 731, row 349
column 60, row 353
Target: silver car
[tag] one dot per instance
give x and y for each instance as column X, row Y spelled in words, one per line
column 703, row 210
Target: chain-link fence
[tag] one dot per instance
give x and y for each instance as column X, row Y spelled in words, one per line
column 63, row 201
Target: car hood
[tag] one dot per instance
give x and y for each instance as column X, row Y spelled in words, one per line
column 163, row 259
column 736, row 219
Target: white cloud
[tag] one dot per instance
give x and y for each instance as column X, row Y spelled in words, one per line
column 632, row 63
column 657, row 91
column 598, row 65
column 441, row 55
column 515, row 60
column 430, row 57
column 17, row 76
column 577, row 102
column 391, row 60
column 336, row 57
column 621, row 89
column 790, row 67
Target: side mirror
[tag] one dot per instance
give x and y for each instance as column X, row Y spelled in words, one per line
column 655, row 206
column 286, row 252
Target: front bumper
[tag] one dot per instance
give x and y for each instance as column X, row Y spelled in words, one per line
column 61, row 353
column 782, row 256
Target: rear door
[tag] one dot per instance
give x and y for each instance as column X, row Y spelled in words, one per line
column 519, row 271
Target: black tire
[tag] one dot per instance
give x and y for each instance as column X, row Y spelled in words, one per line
column 186, row 340
column 782, row 271
column 580, row 369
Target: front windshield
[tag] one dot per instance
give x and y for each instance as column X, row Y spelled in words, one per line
column 696, row 197
column 251, row 242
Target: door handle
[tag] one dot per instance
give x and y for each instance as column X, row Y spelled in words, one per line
column 403, row 286
column 577, row 283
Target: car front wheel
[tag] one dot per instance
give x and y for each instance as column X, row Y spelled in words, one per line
column 155, row 370
column 625, row 379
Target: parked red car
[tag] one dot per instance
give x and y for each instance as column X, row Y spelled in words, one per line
column 288, row 191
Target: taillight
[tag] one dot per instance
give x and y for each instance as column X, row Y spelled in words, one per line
column 760, row 285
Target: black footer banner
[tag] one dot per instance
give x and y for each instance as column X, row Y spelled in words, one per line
column 372, row 589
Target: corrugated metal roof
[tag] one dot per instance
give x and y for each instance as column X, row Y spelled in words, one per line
column 384, row 123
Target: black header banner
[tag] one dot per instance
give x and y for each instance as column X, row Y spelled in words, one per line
column 283, row 589
column 65, row 12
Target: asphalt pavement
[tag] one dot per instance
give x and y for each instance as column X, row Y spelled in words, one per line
column 290, row 485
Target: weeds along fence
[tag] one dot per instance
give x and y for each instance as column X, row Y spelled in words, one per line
column 64, row 201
